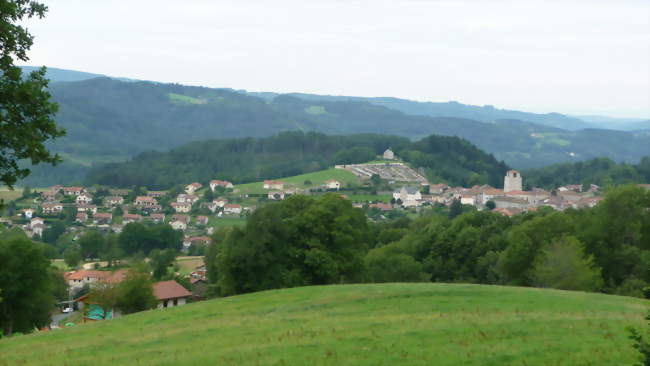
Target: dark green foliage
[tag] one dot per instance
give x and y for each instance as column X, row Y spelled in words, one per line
column 562, row 265
column 300, row 241
column 26, row 113
column 600, row 171
column 642, row 343
column 72, row 256
column 292, row 153
column 52, row 233
column 161, row 261
column 26, row 283
column 91, row 244
column 136, row 237
column 394, row 262
column 354, row 155
column 135, row 293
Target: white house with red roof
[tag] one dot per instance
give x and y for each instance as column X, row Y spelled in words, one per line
column 220, row 183
column 232, row 209
column 273, row 184
column 170, row 294
column 193, row 187
column 332, row 184
column 145, row 201
column 181, row 207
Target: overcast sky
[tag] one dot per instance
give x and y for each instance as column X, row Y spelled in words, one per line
column 574, row 57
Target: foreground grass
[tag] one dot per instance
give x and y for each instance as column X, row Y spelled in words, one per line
column 392, row 324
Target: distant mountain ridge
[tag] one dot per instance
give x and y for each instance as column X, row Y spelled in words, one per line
column 108, row 120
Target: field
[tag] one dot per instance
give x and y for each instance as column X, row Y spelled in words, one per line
column 219, row 222
column 7, row 195
column 388, row 324
column 316, row 178
column 188, row 264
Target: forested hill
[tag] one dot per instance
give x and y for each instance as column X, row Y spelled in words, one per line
column 601, row 171
column 109, row 120
column 449, row 159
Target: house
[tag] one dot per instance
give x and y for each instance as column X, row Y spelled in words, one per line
column 507, row 211
column 275, row 195
column 152, row 208
column 489, row 194
column 193, row 187
column 84, row 199
column 117, row 228
column 196, row 240
column 389, row 154
column 468, row 199
column 187, row 198
column 180, row 222
column 81, row 217
column 49, row 196
column 510, row 202
column 118, row 192
column 220, row 183
column 273, row 184
column 202, row 220
column 37, row 229
column 407, row 194
column 145, row 201
column 113, row 201
column 76, row 191
column 52, row 208
column 156, row 194
column 220, row 202
column 170, row 294
column 570, row 196
column 332, row 184
column 76, row 279
column 87, row 208
column 128, row 218
column 102, row 218
column 36, row 220
column 157, row 217
column 381, row 206
column 199, row 288
column 28, row 213
column 181, row 207
column 232, row 209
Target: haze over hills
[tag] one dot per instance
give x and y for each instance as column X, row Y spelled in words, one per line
column 109, row 120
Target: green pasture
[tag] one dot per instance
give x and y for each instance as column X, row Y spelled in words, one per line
column 316, row 178
column 382, row 324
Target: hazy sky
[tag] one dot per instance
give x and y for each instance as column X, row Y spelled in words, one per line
column 575, row 57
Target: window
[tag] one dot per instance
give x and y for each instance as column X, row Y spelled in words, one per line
column 175, row 302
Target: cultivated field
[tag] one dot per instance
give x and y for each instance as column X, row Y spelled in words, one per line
column 391, row 324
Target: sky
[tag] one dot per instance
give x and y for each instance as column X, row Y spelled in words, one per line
column 573, row 57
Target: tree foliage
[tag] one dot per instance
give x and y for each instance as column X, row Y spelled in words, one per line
column 26, row 113
column 26, row 283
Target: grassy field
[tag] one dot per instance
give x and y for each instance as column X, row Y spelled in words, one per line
column 8, row 195
column 188, row 264
column 389, row 324
column 369, row 197
column 226, row 221
column 316, row 178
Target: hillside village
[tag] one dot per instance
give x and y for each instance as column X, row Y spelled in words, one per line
column 198, row 208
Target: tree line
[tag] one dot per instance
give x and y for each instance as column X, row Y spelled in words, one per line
column 308, row 241
column 449, row 159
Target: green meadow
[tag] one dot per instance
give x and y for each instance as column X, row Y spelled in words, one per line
column 316, row 178
column 385, row 324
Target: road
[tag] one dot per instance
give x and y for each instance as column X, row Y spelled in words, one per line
column 58, row 318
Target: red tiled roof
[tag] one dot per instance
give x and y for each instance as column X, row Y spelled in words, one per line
column 169, row 290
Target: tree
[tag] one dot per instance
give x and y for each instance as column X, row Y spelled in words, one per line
column 106, row 296
column 136, row 291
column 26, row 286
column 375, row 179
column 91, row 244
column 26, row 113
column 455, row 209
column 490, row 205
column 27, row 192
column 562, row 265
column 72, row 256
column 111, row 251
column 52, row 234
column 160, row 261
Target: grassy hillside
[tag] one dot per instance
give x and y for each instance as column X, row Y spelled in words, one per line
column 392, row 324
column 316, row 178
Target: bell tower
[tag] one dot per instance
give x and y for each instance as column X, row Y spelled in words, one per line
column 512, row 181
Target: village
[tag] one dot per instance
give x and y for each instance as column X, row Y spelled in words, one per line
column 198, row 209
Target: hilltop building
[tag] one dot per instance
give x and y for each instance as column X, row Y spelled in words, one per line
column 389, row 154
column 512, row 181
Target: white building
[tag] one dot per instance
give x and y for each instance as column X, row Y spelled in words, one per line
column 512, row 181
column 389, row 154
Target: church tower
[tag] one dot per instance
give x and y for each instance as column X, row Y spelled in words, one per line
column 512, row 181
